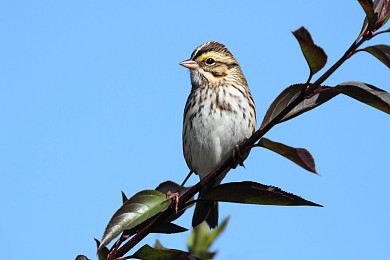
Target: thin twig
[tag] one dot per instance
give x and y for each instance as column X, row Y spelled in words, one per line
column 377, row 33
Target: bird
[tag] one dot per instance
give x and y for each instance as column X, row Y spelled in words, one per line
column 219, row 114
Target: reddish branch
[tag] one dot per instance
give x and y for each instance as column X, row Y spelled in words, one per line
column 243, row 148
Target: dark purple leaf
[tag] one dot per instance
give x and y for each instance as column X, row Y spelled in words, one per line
column 149, row 253
column 81, row 257
column 367, row 94
column 291, row 93
column 377, row 14
column 139, row 208
column 382, row 9
column 171, row 187
column 300, row 156
column 248, row 192
column 381, row 52
column 282, row 101
column 168, row 228
column 163, row 228
column 314, row 55
column 310, row 103
column 368, row 8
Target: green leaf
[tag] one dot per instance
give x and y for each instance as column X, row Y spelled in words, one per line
column 300, row 156
column 248, row 192
column 364, row 27
column 367, row 94
column 149, row 253
column 124, row 198
column 170, row 187
column 381, row 52
column 282, row 101
column 315, row 56
column 158, row 245
column 139, row 208
column 201, row 239
column 167, row 187
column 103, row 252
column 312, row 102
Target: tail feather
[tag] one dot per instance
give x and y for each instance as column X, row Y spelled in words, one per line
column 205, row 211
column 212, row 218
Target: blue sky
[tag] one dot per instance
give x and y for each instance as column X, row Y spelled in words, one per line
column 91, row 103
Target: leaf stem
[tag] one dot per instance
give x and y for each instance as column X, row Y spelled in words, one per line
column 384, row 31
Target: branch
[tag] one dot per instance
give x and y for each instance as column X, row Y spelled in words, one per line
column 243, row 148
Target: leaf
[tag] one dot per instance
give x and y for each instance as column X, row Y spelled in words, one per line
column 367, row 94
column 201, row 239
column 381, row 52
column 364, row 28
column 149, row 253
column 288, row 95
column 310, row 103
column 158, row 245
column 377, row 14
column 103, row 252
column 169, row 187
column 368, row 8
column 382, row 9
column 248, row 192
column 282, row 101
column 142, row 206
column 168, row 228
column 163, row 228
column 300, row 156
column 315, row 56
column 124, row 198
column 81, row 257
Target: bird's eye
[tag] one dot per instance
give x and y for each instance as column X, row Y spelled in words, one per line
column 210, row 61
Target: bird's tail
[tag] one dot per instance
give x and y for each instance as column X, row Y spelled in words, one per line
column 205, row 211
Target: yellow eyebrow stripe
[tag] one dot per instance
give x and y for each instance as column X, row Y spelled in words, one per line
column 211, row 54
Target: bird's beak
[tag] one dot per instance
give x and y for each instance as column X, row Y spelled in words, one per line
column 189, row 64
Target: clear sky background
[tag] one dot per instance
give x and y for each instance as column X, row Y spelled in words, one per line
column 92, row 100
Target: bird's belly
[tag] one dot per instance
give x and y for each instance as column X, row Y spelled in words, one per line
column 213, row 138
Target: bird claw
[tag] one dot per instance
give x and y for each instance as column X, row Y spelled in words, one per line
column 237, row 157
column 175, row 196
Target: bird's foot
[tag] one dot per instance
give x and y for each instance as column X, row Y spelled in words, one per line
column 174, row 196
column 237, row 157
